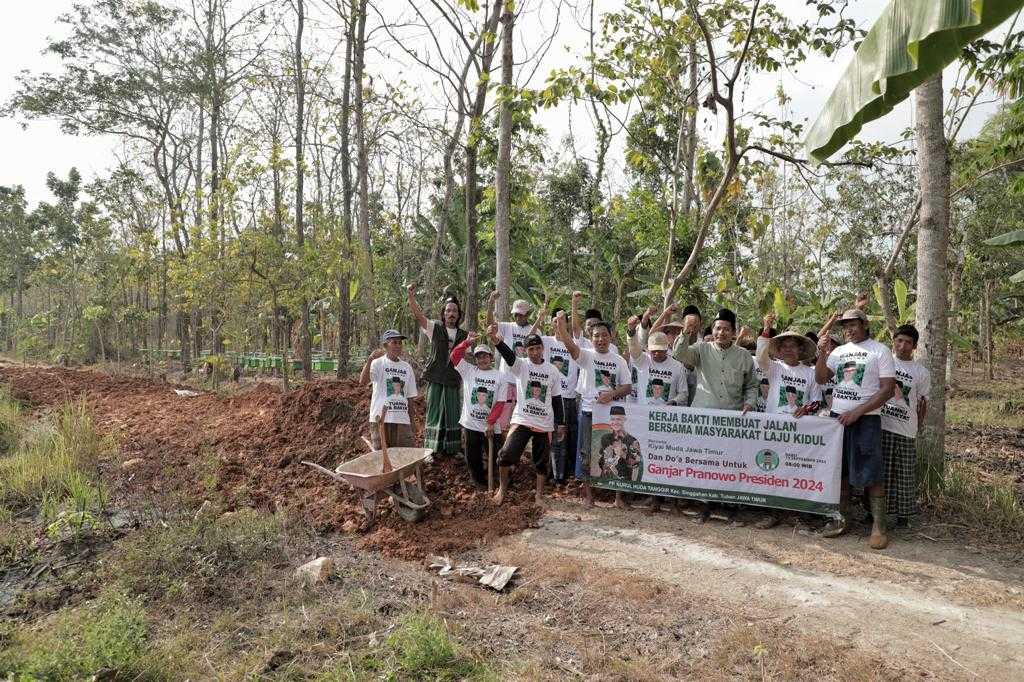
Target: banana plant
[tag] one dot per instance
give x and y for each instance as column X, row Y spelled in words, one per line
column 1012, row 238
column 911, row 42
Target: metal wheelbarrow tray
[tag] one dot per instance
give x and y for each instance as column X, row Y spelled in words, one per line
column 365, row 473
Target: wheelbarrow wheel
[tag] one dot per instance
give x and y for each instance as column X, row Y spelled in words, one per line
column 416, row 496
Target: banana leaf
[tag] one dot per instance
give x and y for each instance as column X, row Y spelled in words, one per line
column 1006, row 239
column 911, row 42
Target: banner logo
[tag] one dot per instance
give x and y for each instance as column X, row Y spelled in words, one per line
column 767, row 460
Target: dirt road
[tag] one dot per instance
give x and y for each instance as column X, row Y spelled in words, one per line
column 933, row 608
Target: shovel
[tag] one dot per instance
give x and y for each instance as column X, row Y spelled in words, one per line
column 386, row 467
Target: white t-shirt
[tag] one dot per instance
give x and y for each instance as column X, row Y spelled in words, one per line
column 857, row 368
column 913, row 382
column 557, row 354
column 394, row 383
column 480, row 390
column 514, row 337
column 763, row 389
column 599, row 372
column 826, row 396
column 536, row 385
column 790, row 387
column 655, row 383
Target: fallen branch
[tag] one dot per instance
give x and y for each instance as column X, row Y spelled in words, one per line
column 958, row 663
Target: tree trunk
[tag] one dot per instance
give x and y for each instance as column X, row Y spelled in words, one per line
column 345, row 279
column 955, row 284
column 471, row 192
column 300, row 231
column 989, row 345
column 216, row 109
column 363, row 176
column 932, row 247
column 503, row 172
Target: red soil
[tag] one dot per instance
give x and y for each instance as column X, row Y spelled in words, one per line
column 247, row 450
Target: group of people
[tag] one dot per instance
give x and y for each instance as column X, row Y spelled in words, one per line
column 539, row 382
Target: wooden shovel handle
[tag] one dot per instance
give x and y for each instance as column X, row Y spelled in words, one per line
column 385, row 461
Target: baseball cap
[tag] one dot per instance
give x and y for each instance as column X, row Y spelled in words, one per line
column 658, row 341
column 391, row 335
column 854, row 314
column 520, row 307
column 482, row 349
column 533, row 340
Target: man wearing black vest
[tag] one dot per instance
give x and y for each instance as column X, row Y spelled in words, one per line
column 442, row 433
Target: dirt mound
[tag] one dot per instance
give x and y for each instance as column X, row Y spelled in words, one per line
column 248, row 448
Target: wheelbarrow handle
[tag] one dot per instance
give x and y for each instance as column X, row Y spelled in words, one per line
column 325, row 470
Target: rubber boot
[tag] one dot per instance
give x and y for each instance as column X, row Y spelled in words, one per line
column 878, row 539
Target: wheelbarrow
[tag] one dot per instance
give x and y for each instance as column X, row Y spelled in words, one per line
column 386, row 473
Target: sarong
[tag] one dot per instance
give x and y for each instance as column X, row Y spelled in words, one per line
column 442, row 432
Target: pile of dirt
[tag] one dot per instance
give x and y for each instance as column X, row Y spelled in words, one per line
column 248, row 450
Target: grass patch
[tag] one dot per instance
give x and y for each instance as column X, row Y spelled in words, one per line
column 55, row 468
column 420, row 648
column 202, row 559
column 978, row 500
column 106, row 637
column 996, row 412
column 10, row 421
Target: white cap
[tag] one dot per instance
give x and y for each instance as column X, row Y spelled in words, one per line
column 658, row 341
column 520, row 307
column 482, row 349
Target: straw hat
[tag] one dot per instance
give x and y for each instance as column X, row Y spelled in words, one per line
column 808, row 349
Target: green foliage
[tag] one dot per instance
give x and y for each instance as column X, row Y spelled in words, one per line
column 54, row 467
column 421, row 648
column 106, row 637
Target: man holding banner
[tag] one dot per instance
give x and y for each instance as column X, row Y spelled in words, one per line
column 603, row 379
column 864, row 373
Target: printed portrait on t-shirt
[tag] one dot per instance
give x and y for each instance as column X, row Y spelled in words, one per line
column 536, row 391
column 764, row 389
column 483, row 397
column 850, row 373
column 519, row 349
column 790, row 396
column 605, row 380
column 657, row 390
column 902, row 391
column 827, row 395
column 560, row 364
column 396, row 387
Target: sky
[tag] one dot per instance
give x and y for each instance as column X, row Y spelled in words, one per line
column 30, row 153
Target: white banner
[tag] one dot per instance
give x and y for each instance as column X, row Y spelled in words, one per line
column 767, row 460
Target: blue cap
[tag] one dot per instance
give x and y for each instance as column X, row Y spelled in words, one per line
column 391, row 335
